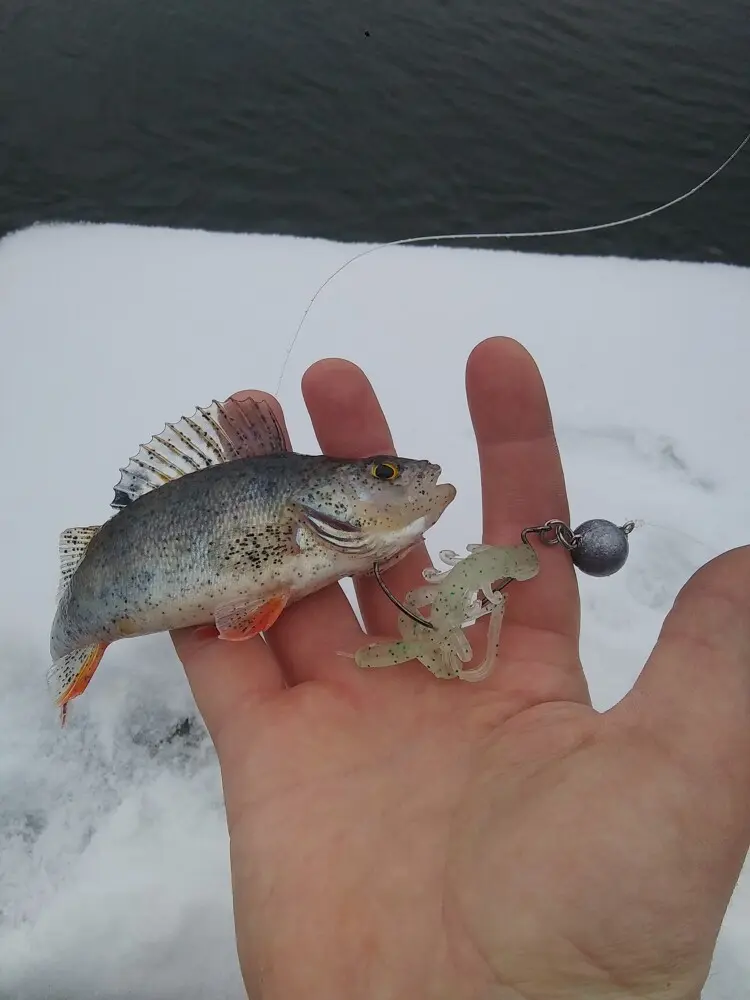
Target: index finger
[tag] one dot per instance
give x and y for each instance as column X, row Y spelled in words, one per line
column 350, row 423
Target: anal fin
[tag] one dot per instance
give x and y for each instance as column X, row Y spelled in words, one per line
column 69, row 676
column 246, row 618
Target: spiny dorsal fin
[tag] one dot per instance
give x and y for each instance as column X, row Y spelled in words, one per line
column 237, row 428
column 72, row 547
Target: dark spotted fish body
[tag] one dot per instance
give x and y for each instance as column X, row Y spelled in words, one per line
column 218, row 523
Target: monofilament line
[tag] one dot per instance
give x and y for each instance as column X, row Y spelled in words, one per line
column 503, row 236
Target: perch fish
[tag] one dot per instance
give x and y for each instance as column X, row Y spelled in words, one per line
column 452, row 597
column 218, row 522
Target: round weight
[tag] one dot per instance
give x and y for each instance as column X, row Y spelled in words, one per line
column 602, row 547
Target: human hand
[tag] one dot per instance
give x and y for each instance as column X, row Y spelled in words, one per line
column 398, row 837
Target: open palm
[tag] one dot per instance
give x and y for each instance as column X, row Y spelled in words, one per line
column 398, row 837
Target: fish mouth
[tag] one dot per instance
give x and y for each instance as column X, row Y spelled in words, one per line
column 424, row 512
column 439, row 497
column 444, row 494
column 430, row 474
column 428, row 492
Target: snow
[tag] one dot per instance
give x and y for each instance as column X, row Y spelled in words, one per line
column 113, row 853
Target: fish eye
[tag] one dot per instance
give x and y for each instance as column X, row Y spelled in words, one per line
column 385, row 471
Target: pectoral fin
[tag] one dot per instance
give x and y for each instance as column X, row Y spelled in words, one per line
column 243, row 619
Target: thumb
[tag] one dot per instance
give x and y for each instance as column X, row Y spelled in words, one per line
column 693, row 695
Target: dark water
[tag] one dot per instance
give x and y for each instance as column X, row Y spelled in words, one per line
column 357, row 119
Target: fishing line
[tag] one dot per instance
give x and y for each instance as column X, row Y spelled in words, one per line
column 502, row 236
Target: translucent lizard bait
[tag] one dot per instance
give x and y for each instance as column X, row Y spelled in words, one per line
column 460, row 596
column 452, row 597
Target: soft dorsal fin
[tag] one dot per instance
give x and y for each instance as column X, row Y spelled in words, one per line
column 237, row 428
column 73, row 545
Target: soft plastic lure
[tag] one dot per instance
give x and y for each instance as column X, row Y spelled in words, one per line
column 597, row 548
column 453, row 599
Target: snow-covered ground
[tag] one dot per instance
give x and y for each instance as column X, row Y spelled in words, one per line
column 113, row 853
